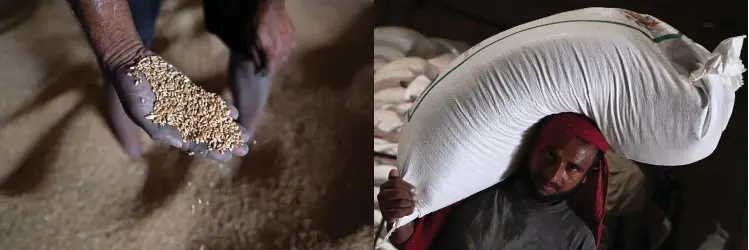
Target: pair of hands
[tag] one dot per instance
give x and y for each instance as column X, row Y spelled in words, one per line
column 276, row 40
column 396, row 198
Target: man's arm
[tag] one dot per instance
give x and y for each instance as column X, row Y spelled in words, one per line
column 110, row 30
column 427, row 227
column 402, row 234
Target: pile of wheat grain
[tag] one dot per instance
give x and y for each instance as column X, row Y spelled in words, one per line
column 201, row 116
column 405, row 62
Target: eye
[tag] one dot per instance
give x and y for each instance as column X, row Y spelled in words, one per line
column 550, row 154
column 573, row 168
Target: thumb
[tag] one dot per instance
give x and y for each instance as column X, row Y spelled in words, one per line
column 393, row 174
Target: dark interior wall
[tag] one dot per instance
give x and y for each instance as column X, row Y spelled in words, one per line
column 475, row 20
column 715, row 189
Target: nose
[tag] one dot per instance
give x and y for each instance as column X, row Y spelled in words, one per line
column 555, row 172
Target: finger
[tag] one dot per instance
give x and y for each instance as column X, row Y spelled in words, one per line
column 233, row 112
column 393, row 174
column 220, row 156
column 392, row 214
column 403, row 212
column 165, row 134
column 388, row 218
column 246, row 135
column 244, row 148
column 394, row 194
column 400, row 203
column 398, row 184
column 171, row 136
column 201, row 149
column 403, row 203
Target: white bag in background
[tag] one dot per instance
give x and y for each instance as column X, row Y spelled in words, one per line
column 629, row 72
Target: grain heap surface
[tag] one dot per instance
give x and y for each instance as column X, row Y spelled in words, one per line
column 201, row 116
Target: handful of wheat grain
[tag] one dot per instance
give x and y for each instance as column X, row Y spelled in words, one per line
column 201, row 116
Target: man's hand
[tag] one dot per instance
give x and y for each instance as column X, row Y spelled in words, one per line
column 275, row 33
column 396, row 198
column 138, row 101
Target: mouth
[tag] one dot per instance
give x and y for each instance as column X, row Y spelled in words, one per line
column 548, row 189
column 544, row 187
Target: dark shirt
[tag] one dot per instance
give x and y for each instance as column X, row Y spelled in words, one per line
column 502, row 218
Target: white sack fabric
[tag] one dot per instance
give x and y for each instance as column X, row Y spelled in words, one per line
column 657, row 96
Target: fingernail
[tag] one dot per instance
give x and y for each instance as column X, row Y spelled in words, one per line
column 241, row 150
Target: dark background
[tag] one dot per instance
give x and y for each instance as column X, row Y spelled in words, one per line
column 714, row 189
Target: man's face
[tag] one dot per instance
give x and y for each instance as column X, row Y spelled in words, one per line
column 557, row 169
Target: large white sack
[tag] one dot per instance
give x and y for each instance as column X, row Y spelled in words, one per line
column 630, row 73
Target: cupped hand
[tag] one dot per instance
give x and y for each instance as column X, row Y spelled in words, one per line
column 138, row 99
column 396, row 198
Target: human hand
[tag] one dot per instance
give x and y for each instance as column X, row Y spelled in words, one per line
column 396, row 198
column 138, row 99
column 275, row 33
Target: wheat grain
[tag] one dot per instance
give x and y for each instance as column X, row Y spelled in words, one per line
column 201, row 116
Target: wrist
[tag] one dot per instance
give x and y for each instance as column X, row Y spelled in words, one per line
column 402, row 234
column 110, row 31
column 122, row 54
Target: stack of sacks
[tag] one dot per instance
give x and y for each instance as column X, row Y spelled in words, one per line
column 405, row 62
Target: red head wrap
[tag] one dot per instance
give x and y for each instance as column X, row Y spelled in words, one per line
column 589, row 199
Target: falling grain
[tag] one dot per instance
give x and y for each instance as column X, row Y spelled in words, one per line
column 200, row 116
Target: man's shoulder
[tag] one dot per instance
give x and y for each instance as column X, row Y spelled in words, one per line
column 581, row 237
column 569, row 216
